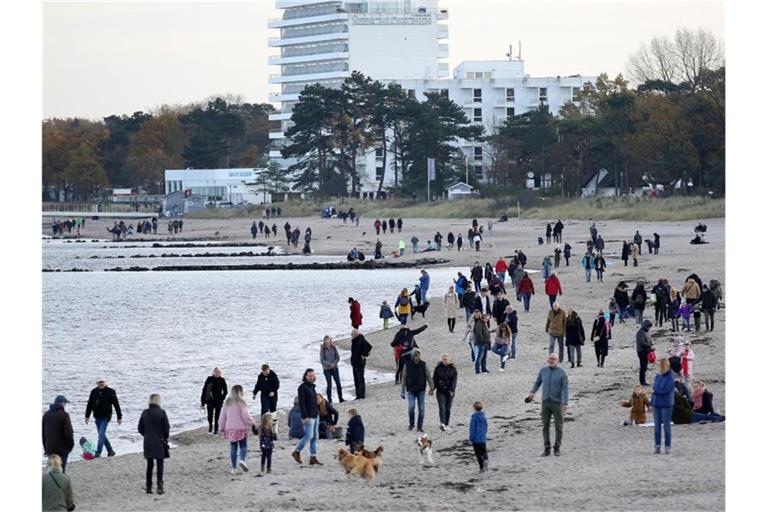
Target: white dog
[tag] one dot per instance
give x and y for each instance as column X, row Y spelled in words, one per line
column 425, row 449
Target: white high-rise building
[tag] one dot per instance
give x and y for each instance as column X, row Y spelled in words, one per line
column 323, row 41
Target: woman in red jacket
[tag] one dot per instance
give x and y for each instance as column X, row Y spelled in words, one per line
column 552, row 288
column 501, row 269
column 355, row 314
column 525, row 290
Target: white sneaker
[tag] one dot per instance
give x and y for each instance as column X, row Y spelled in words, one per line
column 442, row 427
column 448, row 429
column 243, row 466
column 233, row 471
column 501, row 369
column 506, row 358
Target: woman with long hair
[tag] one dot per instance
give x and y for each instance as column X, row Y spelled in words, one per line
column 663, row 400
column 234, row 424
column 267, row 438
column 501, row 343
column 154, row 427
column 574, row 337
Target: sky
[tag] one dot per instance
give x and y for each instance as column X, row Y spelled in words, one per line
column 103, row 58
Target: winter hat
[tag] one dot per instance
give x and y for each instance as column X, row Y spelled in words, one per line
column 83, row 441
column 60, row 399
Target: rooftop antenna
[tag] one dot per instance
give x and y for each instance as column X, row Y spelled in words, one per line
column 519, row 50
column 510, row 54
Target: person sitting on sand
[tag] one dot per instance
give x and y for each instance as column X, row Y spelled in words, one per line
column 295, row 422
column 355, row 437
column 329, row 417
column 639, row 405
column 703, row 409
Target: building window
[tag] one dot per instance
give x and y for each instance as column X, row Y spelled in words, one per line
column 478, row 152
column 510, row 113
column 511, row 95
column 577, row 94
column 477, row 115
column 542, row 94
column 444, row 92
column 479, row 172
column 411, row 93
column 477, row 95
column 379, row 173
column 379, row 153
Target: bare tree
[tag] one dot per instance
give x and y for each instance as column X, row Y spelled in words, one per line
column 678, row 60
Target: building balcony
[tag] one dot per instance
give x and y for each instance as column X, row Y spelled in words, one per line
column 277, row 60
column 276, row 42
column 284, row 4
column 281, row 23
column 280, row 116
column 275, row 153
column 277, row 135
column 308, row 77
column 442, row 51
column 442, row 14
column 442, row 31
column 280, row 97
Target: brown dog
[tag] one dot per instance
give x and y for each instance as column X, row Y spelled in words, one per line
column 358, row 465
column 368, row 454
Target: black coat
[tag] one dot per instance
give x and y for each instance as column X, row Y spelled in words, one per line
column 360, row 349
column 355, row 431
column 599, row 330
column 477, row 274
column 307, row 400
column 267, row 385
column 639, row 298
column 154, row 426
column 574, row 332
column 214, row 391
column 415, row 376
column 445, row 378
column 499, row 310
column 622, row 298
column 101, row 401
column 57, row 431
column 708, row 300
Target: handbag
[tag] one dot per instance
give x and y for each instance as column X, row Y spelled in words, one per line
column 652, row 356
column 166, row 449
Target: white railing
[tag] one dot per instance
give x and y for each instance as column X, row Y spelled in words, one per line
column 96, row 209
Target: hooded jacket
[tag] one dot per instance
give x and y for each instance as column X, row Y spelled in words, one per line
column 552, row 286
column 639, row 405
column 525, row 286
column 57, row 431
column 355, row 431
column 574, row 332
column 643, row 337
column 308, row 400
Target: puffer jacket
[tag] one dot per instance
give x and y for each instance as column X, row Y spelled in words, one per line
column 445, row 377
column 639, row 406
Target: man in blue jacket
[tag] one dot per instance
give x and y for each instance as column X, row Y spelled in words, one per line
column 424, row 285
column 478, row 430
column 554, row 400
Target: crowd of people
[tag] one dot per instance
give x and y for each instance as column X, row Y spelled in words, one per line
column 487, row 294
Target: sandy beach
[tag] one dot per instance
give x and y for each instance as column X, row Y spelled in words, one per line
column 604, row 465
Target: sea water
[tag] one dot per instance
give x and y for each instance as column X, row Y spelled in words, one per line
column 163, row 332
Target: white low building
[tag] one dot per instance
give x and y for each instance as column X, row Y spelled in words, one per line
column 227, row 186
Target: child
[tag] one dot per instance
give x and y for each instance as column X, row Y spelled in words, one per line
column 675, row 352
column 639, row 406
column 266, row 441
column 685, row 313
column 687, row 361
column 355, row 431
column 613, row 310
column 478, row 428
column 696, row 316
column 89, row 452
column 386, row 313
column 673, row 309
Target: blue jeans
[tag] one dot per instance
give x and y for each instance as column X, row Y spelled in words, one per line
column 501, row 350
column 415, row 248
column 480, row 358
column 502, row 276
column 526, row 301
column 412, row 397
column 472, row 350
column 513, row 346
column 311, row 433
column 402, row 252
column 101, row 428
column 714, row 418
column 662, row 416
column 243, row 444
column 403, row 319
column 552, row 300
column 424, row 294
column 330, row 377
column 588, row 274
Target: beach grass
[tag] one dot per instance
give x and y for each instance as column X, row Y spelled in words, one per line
column 531, row 207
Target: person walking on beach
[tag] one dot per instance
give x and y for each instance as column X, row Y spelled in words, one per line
column 708, row 303
column 424, row 285
column 525, row 291
column 235, row 422
column 329, row 359
column 459, row 242
column 212, row 397
column 587, row 264
column 445, row 377
column 57, row 488
column 101, row 401
column 552, row 288
column 548, row 233
column 501, row 269
column 415, row 244
column 254, row 230
column 154, row 427
column 501, row 343
column 481, row 335
column 307, row 397
column 639, row 298
column 416, row 376
column 399, row 225
column 450, row 239
column 663, row 400
column 58, row 436
column 644, row 346
column 361, row 349
column 600, row 335
column 555, row 327
column 567, row 254
column 574, row 337
column 355, row 314
column 477, row 276
column 635, row 250
column 451, row 304
column 268, row 384
column 401, row 247
column 625, row 253
column 267, row 436
column 622, row 300
column 478, row 430
column 599, row 264
column 554, row 401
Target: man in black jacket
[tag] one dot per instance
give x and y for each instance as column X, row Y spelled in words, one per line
column 100, row 402
column 445, row 378
column 404, row 338
column 360, row 350
column 416, row 376
column 268, row 384
column 499, row 310
column 310, row 416
column 57, row 431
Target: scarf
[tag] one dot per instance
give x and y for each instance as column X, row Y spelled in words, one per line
column 698, row 397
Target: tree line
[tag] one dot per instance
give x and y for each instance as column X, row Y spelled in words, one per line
column 670, row 128
column 81, row 157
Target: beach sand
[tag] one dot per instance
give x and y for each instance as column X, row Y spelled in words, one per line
column 604, row 465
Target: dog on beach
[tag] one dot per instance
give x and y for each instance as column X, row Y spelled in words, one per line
column 425, row 449
column 359, row 465
column 422, row 308
column 368, row 454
